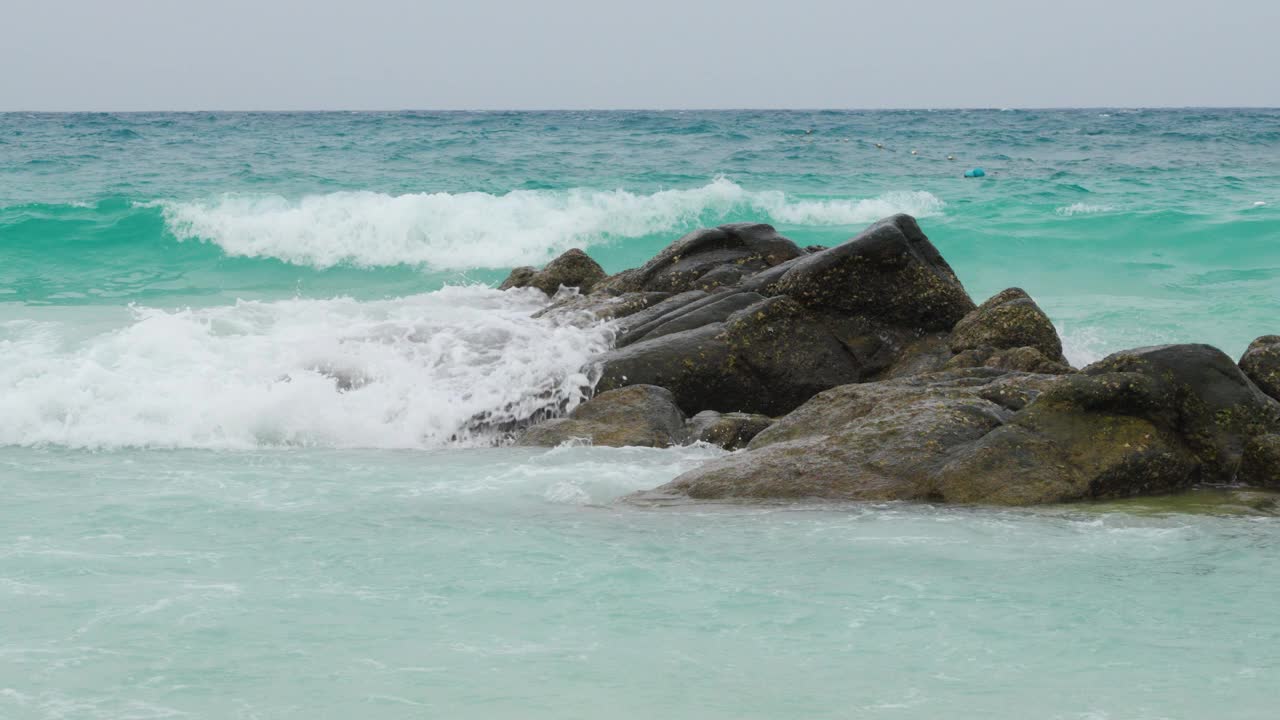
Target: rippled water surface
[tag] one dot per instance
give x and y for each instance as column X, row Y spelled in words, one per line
column 244, row 356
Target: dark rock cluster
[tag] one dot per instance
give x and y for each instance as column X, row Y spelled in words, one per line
column 864, row 371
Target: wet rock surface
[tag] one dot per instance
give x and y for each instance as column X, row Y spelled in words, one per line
column 1261, row 362
column 573, row 269
column 730, row 431
column 637, row 415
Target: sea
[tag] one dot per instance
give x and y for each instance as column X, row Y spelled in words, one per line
column 241, row 357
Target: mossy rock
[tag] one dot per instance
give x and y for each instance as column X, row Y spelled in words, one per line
column 1261, row 463
column 1196, row 501
column 1196, row 391
column 1023, row 359
column 890, row 273
column 638, row 415
column 573, row 268
column 1009, row 319
column 1261, row 362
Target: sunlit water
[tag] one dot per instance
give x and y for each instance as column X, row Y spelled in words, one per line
column 250, row 370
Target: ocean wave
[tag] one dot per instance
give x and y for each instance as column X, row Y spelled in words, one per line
column 423, row 371
column 451, row 231
column 1083, row 209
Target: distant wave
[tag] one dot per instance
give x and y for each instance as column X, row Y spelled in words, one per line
column 465, row 230
column 1083, row 209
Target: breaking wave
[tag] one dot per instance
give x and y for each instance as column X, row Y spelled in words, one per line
column 440, row 368
column 450, row 231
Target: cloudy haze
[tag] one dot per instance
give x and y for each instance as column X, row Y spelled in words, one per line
column 393, row 54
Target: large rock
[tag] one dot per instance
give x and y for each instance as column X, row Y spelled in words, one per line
column 874, row 441
column 641, row 415
column 705, row 311
column 767, row 358
column 1138, row 422
column 1010, row 319
column 843, row 315
column 1199, row 392
column 707, row 259
column 1261, row 362
column 890, row 272
column 574, row 268
column 1261, row 463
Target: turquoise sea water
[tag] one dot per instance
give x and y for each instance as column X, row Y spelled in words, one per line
column 199, row 521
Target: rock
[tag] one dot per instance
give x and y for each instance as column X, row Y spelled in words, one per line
column 704, row 311
column 1010, row 319
column 815, row 248
column 574, row 268
column 627, row 281
column 820, row 326
column 711, row 257
column 636, row 325
column 1200, row 392
column 1261, row 362
column 519, row 277
column 596, row 307
column 1024, row 359
column 639, row 415
column 890, row 272
column 1139, row 422
column 730, row 431
column 767, row 358
column 874, row 441
column 1197, row 501
column 1261, row 463
column 926, row 354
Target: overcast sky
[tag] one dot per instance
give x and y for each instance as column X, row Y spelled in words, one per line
column 481, row 54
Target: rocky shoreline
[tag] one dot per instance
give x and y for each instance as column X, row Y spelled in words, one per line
column 865, row 371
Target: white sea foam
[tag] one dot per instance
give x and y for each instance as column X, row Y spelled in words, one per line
column 1082, row 345
column 1083, row 209
column 465, row 230
column 405, row 373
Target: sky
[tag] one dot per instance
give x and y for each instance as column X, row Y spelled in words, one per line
column 120, row 55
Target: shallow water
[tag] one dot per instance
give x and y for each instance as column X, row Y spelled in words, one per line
column 506, row 583
column 249, row 361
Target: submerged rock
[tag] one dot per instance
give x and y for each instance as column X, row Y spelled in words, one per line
column 574, row 268
column 639, row 415
column 730, row 431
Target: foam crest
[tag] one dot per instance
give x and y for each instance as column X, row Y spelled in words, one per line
column 423, row 371
column 853, row 212
column 451, row 231
column 1083, row 209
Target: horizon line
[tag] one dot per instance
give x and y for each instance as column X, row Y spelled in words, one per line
column 652, row 109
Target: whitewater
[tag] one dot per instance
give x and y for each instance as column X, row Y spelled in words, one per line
column 257, row 385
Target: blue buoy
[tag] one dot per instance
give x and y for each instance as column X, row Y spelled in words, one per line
column 976, row 172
